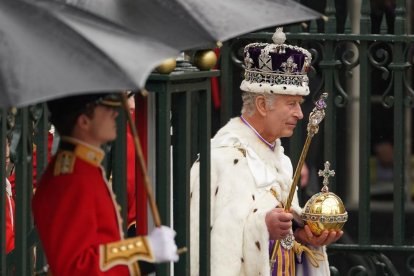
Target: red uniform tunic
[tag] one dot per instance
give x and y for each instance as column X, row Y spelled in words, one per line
column 131, row 189
column 75, row 211
column 9, row 219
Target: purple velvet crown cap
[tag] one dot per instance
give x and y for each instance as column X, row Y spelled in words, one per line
column 276, row 68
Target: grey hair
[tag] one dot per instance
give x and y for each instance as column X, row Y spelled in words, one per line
column 249, row 101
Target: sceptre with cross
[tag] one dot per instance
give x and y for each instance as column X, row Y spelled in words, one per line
column 315, row 118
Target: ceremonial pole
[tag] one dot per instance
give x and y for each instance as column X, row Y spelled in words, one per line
column 315, row 117
column 143, row 167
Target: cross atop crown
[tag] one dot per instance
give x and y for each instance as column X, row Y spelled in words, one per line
column 326, row 173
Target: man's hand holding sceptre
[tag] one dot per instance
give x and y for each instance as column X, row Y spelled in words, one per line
column 302, row 235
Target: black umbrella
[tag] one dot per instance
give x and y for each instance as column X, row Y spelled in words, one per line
column 186, row 24
column 49, row 50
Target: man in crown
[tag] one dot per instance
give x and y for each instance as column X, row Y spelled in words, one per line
column 251, row 176
column 74, row 208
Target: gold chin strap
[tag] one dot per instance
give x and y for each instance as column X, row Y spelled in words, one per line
column 313, row 256
column 125, row 252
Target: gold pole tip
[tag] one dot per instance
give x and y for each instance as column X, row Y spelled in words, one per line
column 181, row 250
column 144, row 92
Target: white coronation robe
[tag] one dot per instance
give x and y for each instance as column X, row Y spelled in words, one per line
column 243, row 170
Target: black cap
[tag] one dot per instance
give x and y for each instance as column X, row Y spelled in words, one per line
column 77, row 104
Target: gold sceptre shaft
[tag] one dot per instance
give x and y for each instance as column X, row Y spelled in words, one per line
column 315, row 117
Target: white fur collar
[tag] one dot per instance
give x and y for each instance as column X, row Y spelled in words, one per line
column 237, row 128
column 267, row 166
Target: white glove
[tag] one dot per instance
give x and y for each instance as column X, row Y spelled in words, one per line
column 162, row 243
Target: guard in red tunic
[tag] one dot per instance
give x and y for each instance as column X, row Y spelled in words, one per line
column 9, row 218
column 74, row 208
column 10, row 209
column 131, row 174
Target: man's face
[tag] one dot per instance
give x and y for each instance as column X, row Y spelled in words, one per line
column 131, row 104
column 7, row 164
column 282, row 116
column 7, row 154
column 102, row 128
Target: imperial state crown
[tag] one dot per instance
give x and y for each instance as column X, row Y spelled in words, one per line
column 277, row 67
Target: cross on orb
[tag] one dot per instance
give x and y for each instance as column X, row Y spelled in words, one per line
column 326, row 173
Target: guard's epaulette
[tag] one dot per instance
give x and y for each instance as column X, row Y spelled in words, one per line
column 65, row 162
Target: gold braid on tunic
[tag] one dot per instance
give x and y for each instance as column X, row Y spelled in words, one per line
column 125, row 252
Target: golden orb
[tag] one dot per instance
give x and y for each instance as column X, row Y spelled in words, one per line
column 205, row 59
column 167, row 66
column 324, row 210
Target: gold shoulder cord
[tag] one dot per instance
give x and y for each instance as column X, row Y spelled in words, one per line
column 125, row 252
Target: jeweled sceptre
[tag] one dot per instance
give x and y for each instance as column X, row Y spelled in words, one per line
column 315, row 117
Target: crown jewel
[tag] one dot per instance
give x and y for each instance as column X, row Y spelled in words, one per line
column 276, row 68
column 279, row 36
column 325, row 210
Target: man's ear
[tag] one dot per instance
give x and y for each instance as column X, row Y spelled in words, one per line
column 261, row 105
column 83, row 121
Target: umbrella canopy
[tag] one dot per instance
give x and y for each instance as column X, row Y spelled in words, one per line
column 49, row 50
column 186, row 24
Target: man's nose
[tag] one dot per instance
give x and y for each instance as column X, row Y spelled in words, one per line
column 298, row 112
